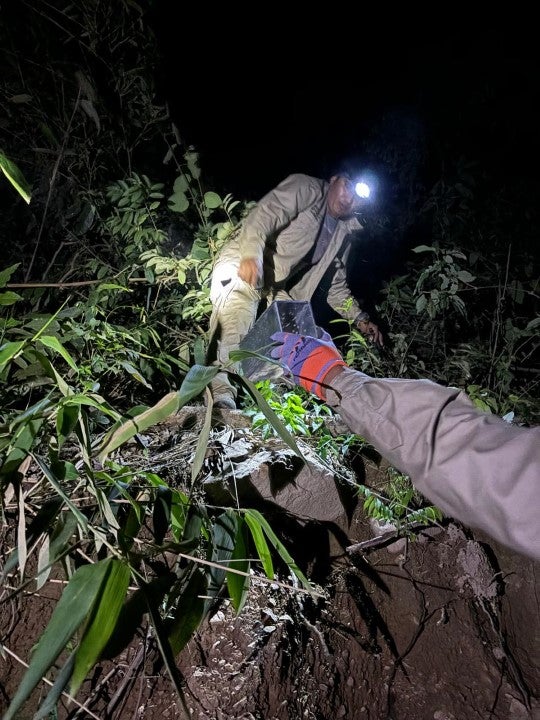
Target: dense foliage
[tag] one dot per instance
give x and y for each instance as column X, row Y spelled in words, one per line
column 109, row 234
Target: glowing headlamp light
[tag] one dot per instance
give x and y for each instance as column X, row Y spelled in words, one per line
column 362, row 189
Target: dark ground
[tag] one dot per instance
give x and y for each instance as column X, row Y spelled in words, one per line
column 445, row 628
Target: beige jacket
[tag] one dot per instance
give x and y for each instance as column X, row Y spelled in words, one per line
column 281, row 230
column 474, row 466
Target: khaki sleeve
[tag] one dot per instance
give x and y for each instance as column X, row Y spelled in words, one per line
column 339, row 293
column 474, row 466
column 275, row 211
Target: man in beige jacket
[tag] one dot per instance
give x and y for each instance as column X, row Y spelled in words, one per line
column 296, row 235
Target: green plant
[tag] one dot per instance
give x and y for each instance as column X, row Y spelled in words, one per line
column 15, row 177
column 105, row 522
column 212, row 220
column 359, row 353
column 290, row 406
column 399, row 504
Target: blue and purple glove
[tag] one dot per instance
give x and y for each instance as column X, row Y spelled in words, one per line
column 309, row 359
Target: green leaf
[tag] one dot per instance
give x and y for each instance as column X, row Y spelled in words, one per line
column 256, row 516
column 15, row 177
column 189, row 611
column 9, row 350
column 421, row 303
column 72, row 609
column 105, row 614
column 180, row 184
column 6, row 274
column 168, row 405
column 9, row 298
column 423, row 248
column 254, row 524
column 465, row 276
column 238, row 585
column 178, row 202
column 55, row 344
column 533, row 324
column 212, row 200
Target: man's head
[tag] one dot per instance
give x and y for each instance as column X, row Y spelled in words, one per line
column 342, row 199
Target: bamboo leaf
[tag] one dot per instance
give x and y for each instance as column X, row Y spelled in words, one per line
column 48, row 708
column 223, row 536
column 238, row 585
column 66, row 420
column 15, row 177
column 197, row 378
column 65, row 527
column 168, row 405
column 261, row 545
column 9, row 350
column 73, row 607
column 202, row 442
column 47, row 471
column 189, row 611
column 21, row 444
column 21, row 533
column 256, row 516
column 54, row 343
column 103, row 621
column 43, row 568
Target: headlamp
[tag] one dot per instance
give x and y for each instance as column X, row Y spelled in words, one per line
column 362, row 189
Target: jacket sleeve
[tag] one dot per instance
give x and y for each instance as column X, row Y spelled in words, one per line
column 275, row 211
column 474, row 466
column 339, row 292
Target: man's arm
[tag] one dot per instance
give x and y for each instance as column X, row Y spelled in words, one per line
column 271, row 214
column 473, row 465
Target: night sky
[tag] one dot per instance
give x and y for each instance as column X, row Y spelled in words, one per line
column 272, row 96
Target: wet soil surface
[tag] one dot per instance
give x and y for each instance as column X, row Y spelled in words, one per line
column 443, row 628
column 446, row 630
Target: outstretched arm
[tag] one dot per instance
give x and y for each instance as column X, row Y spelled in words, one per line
column 473, row 465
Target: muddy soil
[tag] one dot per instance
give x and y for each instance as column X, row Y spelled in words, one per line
column 443, row 628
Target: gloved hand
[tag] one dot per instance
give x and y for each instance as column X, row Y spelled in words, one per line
column 309, row 359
